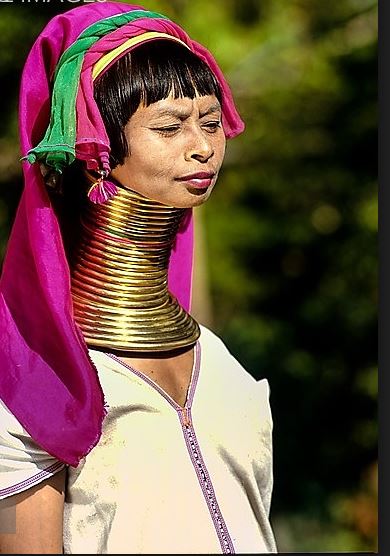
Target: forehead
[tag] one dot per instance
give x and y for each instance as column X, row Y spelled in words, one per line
column 182, row 107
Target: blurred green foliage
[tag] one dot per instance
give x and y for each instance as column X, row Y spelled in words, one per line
column 290, row 237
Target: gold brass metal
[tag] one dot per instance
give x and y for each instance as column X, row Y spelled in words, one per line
column 120, row 276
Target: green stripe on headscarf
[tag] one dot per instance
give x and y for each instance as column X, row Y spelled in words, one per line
column 57, row 148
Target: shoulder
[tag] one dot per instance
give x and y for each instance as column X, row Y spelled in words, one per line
column 216, row 353
column 223, row 367
column 213, row 344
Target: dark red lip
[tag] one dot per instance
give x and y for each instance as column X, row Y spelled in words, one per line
column 197, row 176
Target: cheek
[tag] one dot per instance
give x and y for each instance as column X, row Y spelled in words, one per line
column 160, row 164
column 153, row 158
column 220, row 148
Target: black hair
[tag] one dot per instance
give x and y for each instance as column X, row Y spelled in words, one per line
column 147, row 74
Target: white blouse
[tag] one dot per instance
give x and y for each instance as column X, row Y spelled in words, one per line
column 163, row 479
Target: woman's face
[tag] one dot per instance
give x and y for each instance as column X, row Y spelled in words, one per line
column 176, row 150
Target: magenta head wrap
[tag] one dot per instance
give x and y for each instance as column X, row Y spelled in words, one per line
column 47, row 379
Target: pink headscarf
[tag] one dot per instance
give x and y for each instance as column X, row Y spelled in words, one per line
column 47, row 379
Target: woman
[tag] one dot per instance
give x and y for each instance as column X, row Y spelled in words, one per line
column 126, row 426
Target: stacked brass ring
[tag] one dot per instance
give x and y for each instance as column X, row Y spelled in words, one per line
column 120, row 277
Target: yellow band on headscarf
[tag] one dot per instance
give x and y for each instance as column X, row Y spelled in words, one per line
column 113, row 54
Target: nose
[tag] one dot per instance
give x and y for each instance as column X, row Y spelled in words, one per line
column 200, row 147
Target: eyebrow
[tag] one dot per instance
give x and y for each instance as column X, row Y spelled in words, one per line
column 182, row 114
column 216, row 107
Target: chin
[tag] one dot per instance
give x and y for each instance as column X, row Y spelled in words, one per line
column 200, row 200
column 183, row 200
column 194, row 201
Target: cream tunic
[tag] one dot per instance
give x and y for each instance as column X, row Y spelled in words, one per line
column 163, row 479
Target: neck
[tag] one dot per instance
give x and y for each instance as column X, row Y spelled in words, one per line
column 120, row 277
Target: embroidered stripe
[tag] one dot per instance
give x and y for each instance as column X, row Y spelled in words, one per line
column 206, row 485
column 32, row 481
column 193, row 448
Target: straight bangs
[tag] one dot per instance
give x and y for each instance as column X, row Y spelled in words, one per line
column 147, row 74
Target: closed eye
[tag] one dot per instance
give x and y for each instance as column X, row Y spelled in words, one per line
column 167, row 130
column 213, row 126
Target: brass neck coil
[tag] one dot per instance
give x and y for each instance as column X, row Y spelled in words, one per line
column 120, row 277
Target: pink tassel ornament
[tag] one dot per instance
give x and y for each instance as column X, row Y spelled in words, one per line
column 102, row 190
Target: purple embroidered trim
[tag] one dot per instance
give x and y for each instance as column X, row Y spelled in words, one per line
column 194, row 379
column 206, row 485
column 192, row 387
column 32, row 481
column 193, row 448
